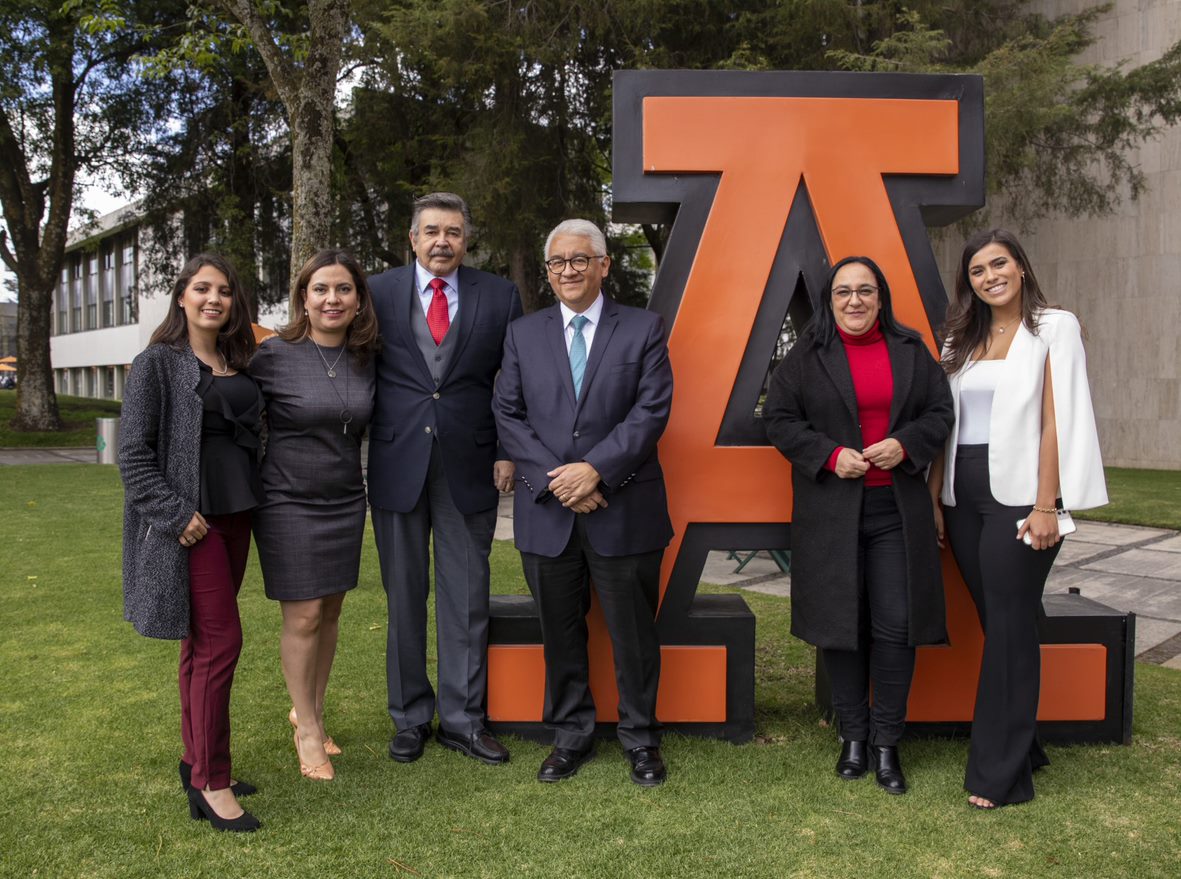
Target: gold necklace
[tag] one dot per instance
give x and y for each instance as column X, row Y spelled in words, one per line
column 1006, row 326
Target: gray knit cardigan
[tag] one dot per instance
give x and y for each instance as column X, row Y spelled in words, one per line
column 160, row 461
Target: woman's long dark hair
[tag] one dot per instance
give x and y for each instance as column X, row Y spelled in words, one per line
column 235, row 340
column 822, row 329
column 361, row 337
column 969, row 318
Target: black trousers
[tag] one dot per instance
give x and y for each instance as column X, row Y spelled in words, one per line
column 883, row 656
column 1006, row 579
column 628, row 588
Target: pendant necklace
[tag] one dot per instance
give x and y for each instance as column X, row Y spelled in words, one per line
column 1009, row 324
column 331, row 368
column 346, row 414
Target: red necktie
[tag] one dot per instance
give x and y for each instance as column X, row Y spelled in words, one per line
column 437, row 318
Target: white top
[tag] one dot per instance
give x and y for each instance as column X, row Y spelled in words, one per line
column 976, row 391
column 592, row 315
column 423, row 276
column 1015, row 425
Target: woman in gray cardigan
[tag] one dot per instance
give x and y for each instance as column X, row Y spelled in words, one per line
column 188, row 456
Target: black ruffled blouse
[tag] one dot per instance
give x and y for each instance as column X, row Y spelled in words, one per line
column 230, row 428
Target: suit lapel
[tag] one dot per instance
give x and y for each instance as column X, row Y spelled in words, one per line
column 405, row 297
column 608, row 321
column 836, row 364
column 555, row 334
column 469, row 304
column 902, row 367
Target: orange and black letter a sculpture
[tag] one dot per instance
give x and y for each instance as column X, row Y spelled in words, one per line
column 768, row 178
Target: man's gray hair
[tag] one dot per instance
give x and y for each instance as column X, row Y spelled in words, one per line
column 581, row 228
column 443, row 201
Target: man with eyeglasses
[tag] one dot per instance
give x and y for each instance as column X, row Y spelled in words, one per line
column 582, row 399
column 435, row 468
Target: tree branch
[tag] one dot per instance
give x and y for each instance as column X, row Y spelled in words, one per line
column 283, row 73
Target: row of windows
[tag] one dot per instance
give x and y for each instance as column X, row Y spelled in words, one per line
column 97, row 288
column 102, row 382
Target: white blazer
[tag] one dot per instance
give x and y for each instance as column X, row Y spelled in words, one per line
column 1014, row 435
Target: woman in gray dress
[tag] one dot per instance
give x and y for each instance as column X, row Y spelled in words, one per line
column 317, row 377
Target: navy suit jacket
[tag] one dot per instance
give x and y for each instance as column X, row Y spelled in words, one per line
column 613, row 426
column 410, row 413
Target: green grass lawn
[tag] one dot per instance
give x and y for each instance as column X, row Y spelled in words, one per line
column 89, row 739
column 1140, row 497
column 77, row 413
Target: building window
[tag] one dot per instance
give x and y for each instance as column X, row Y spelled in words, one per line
column 127, row 278
column 75, row 294
column 107, row 288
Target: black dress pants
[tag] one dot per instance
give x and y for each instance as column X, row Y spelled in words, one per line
column 1006, row 579
column 628, row 588
column 883, row 656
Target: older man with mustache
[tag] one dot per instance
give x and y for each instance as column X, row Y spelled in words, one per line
column 435, row 469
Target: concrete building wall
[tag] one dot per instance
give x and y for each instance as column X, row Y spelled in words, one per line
column 1122, row 274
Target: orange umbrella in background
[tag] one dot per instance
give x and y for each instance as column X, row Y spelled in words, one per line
column 4, row 367
column 260, row 333
column 8, row 359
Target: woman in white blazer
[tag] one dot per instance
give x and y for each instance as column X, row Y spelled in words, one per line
column 1024, row 447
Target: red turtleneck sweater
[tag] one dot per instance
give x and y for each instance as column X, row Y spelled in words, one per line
column 873, row 383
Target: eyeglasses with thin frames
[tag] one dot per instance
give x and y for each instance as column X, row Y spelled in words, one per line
column 865, row 291
column 579, row 263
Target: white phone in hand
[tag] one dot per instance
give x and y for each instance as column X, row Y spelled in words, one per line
column 1065, row 526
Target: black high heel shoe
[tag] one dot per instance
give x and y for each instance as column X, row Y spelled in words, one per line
column 199, row 809
column 240, row 788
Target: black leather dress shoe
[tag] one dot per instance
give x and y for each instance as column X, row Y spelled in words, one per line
column 480, row 745
column 407, row 744
column 562, row 763
column 887, row 768
column 648, row 769
column 854, row 760
column 239, row 788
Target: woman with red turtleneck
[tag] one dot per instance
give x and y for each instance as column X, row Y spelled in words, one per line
column 860, row 408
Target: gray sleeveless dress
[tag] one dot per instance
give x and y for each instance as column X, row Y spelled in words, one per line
column 311, row 523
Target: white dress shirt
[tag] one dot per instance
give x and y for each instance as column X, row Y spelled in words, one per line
column 422, row 280
column 592, row 315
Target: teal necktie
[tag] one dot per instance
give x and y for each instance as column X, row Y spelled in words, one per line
column 578, row 352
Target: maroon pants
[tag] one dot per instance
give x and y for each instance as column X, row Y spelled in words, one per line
column 210, row 653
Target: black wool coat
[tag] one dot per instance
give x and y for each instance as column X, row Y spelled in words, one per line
column 811, row 408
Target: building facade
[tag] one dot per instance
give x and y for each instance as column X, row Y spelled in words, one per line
column 101, row 315
column 1122, row 274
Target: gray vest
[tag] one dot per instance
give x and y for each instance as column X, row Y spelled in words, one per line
column 436, row 356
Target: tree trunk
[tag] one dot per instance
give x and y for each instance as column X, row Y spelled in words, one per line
column 311, row 187
column 36, row 402
column 523, row 270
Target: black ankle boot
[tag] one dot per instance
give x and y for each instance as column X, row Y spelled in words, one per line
column 853, row 762
column 887, row 768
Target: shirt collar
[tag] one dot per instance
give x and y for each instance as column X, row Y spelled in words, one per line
column 424, row 276
column 592, row 314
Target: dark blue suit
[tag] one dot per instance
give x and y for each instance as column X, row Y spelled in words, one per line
column 432, row 446
column 614, row 425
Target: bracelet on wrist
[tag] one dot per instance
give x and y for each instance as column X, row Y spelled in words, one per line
column 1052, row 510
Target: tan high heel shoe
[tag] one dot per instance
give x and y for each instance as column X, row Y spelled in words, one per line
column 330, row 747
column 321, row 772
